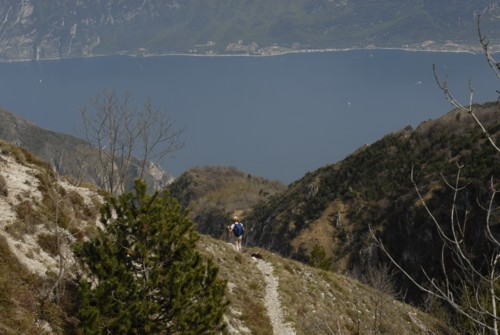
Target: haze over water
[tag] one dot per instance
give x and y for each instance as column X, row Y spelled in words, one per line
column 276, row 117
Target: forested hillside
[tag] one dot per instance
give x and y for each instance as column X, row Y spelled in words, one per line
column 329, row 212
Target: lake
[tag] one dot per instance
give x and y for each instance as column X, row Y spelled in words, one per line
column 276, row 117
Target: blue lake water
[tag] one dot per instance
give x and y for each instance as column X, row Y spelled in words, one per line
column 277, row 117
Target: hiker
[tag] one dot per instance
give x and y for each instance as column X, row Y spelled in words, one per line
column 238, row 231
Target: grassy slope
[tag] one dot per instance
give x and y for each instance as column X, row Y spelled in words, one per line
column 226, row 188
column 313, row 300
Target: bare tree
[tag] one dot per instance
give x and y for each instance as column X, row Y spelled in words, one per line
column 125, row 135
column 470, row 282
column 380, row 277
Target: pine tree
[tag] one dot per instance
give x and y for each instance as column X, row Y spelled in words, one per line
column 142, row 274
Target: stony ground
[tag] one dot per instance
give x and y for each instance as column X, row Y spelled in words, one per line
column 272, row 300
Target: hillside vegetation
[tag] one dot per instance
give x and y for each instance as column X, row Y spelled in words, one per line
column 224, row 187
column 333, row 206
column 42, row 215
column 214, row 194
column 327, row 218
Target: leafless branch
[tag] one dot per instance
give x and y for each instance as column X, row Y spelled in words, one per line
column 125, row 135
column 486, row 49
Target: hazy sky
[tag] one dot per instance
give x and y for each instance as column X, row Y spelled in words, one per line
column 276, row 117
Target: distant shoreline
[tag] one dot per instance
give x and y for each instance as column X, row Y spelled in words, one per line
column 270, row 54
column 332, row 50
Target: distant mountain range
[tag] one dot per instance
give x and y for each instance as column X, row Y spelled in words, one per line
column 54, row 29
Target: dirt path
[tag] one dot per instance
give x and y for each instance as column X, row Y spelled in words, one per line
column 272, row 302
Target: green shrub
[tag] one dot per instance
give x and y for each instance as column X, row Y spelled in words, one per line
column 180, row 286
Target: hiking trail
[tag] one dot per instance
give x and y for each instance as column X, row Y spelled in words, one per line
column 272, row 301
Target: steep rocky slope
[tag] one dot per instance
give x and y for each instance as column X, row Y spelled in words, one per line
column 48, row 29
column 42, row 215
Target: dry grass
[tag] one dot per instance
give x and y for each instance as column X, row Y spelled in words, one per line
column 22, row 155
column 245, row 287
column 3, row 187
column 17, row 298
column 320, row 301
column 314, row 301
column 49, row 243
column 37, row 202
column 226, row 187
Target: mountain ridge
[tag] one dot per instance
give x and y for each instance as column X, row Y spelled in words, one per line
column 335, row 209
column 67, row 154
column 38, row 30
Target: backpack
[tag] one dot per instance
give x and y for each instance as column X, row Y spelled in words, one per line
column 238, row 229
